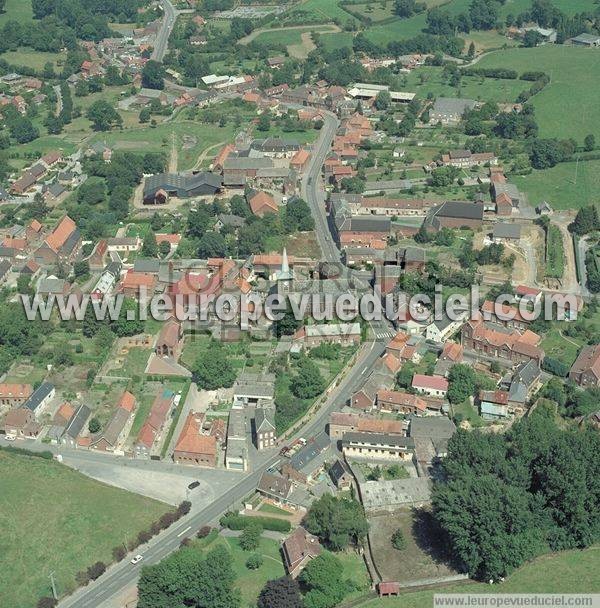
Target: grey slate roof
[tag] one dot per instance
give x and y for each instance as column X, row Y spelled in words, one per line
column 40, row 393
column 505, row 230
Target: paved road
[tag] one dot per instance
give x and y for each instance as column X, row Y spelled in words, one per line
column 162, row 38
column 313, row 191
column 124, row 575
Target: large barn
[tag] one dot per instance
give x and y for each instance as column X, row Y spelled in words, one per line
column 158, row 188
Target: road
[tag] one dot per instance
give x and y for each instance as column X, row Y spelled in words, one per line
column 162, row 38
column 59, row 102
column 124, row 575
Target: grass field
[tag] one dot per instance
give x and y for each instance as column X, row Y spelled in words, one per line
column 57, row 520
column 16, row 10
column 573, row 90
column 570, row 7
column 327, row 10
column 33, row 59
column 566, row 186
column 567, row 572
column 428, row 80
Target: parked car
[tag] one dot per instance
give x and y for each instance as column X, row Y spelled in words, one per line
column 193, row 485
column 10, row 437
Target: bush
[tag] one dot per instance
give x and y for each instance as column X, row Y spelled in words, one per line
column 398, row 540
column 143, row 537
column 553, row 366
column 82, row 578
column 204, row 532
column 168, row 519
column 250, row 538
column 254, row 562
column 47, row 602
column 119, row 553
column 96, row 570
column 233, row 521
column 184, row 508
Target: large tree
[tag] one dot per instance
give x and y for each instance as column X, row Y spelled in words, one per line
column 213, row 369
column 337, row 521
column 282, row 592
column 103, row 116
column 308, row 382
column 153, row 75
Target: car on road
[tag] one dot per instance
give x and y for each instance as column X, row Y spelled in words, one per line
column 10, row 437
column 137, row 559
column 193, row 485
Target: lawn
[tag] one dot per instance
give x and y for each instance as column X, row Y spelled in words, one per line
column 57, row 520
column 559, row 347
column 567, row 572
column 565, row 186
column 573, row 90
column 327, row 10
column 570, row 7
column 250, row 582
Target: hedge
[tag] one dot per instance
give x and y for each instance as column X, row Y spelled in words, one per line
column 233, row 521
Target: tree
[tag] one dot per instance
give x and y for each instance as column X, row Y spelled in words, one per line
column 532, row 38
column 461, row 383
column 153, row 75
column 255, row 561
column 589, row 143
column 94, row 425
column 337, row 521
column 47, row 602
column 198, row 222
column 190, row 578
column 144, row 116
column 323, row 577
column 264, row 122
column 471, row 51
column 586, row 221
column 398, row 540
column 545, row 153
column 81, row 268
column 23, row 130
column 164, row 248
column 308, row 382
column 149, row 247
column 103, row 116
column 250, row 538
column 96, row 570
column 213, row 369
column 212, row 245
column 483, row 14
column 282, row 592
column 383, row 100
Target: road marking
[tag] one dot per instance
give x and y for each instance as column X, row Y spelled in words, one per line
column 184, row 531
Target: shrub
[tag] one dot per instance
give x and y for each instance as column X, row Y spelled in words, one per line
column 96, row 570
column 398, row 540
column 82, row 578
column 204, row 532
column 233, row 521
column 254, row 562
column 184, row 508
column 143, row 537
column 47, row 602
column 119, row 553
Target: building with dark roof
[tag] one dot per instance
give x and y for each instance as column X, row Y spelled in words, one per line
column 455, row 214
column 158, row 188
column 42, row 395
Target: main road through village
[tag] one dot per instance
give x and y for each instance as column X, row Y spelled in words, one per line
column 124, row 575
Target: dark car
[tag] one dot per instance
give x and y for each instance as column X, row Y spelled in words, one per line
column 193, row 485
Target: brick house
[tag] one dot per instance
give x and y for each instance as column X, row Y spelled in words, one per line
column 586, row 369
column 193, row 447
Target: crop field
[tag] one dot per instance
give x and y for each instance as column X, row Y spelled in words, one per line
column 33, row 59
column 573, row 91
column 57, row 520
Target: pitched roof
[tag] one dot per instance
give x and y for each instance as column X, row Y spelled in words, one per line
column 438, row 383
column 58, row 237
column 127, row 401
column 192, row 441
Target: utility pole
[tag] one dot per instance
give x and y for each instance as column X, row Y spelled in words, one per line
column 54, row 594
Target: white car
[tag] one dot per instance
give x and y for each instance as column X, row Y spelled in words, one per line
column 137, row 559
column 10, row 437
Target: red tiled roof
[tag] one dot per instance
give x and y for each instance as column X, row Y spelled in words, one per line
column 438, row 383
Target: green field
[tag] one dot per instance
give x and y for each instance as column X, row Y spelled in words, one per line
column 573, row 91
column 33, row 59
column 428, row 80
column 570, row 7
column 568, row 572
column 566, row 186
column 327, row 10
column 16, row 10
column 57, row 520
